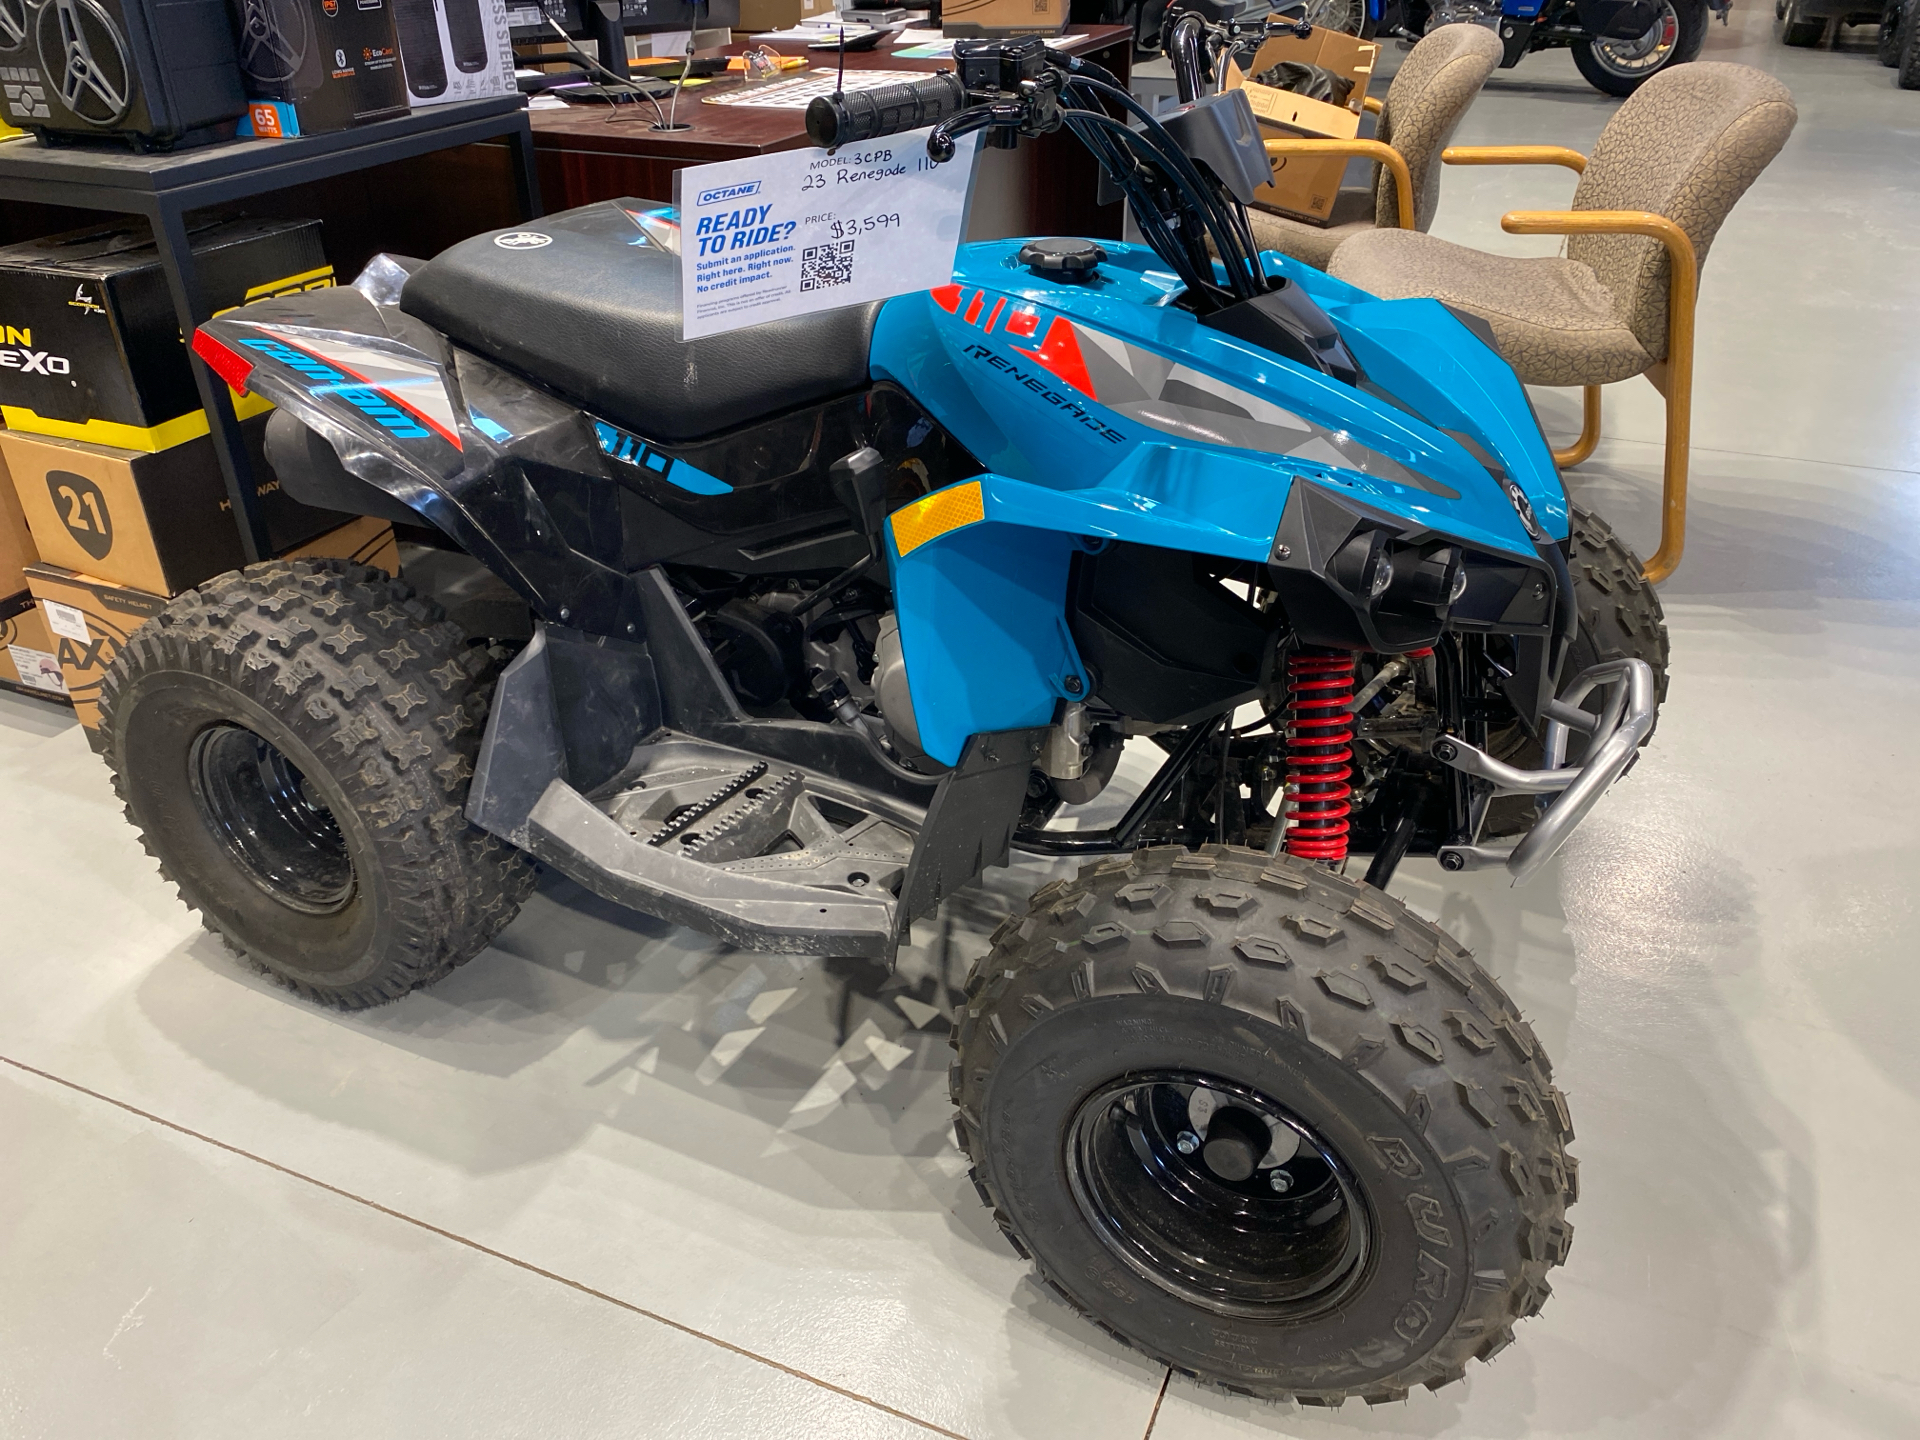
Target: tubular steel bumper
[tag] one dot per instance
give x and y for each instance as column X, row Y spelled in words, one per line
column 1617, row 732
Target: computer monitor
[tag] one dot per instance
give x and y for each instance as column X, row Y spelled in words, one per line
column 607, row 23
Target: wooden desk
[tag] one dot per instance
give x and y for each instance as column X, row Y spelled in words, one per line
column 1046, row 187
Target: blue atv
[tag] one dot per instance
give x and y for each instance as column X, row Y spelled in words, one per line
column 790, row 633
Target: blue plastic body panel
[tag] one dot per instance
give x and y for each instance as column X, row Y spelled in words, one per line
column 1104, row 412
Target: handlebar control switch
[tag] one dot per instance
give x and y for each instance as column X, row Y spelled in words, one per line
column 1073, row 260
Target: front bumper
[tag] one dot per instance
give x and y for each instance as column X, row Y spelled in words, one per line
column 1622, row 724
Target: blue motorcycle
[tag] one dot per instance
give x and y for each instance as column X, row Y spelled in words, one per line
column 1618, row 45
column 790, row 633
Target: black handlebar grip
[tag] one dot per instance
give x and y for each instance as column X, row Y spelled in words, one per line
column 849, row 118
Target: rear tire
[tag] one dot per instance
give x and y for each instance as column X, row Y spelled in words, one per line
column 293, row 742
column 1430, row 1159
column 1887, row 51
column 1612, row 67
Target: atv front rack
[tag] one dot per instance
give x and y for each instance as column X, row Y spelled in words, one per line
column 1615, row 736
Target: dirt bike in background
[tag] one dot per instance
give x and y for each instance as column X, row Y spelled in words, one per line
column 1618, row 45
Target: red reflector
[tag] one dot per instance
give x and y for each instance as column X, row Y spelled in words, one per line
column 230, row 365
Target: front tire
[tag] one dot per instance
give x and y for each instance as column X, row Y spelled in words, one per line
column 1620, row 67
column 293, row 742
column 1887, row 50
column 1908, row 74
column 1799, row 31
column 1169, row 1005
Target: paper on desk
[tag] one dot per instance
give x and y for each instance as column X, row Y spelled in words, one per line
column 935, row 50
column 911, row 36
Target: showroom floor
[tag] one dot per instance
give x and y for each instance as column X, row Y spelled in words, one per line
column 614, row 1179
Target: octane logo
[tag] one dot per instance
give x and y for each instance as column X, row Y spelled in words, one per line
column 325, row 380
column 728, row 192
column 522, row 240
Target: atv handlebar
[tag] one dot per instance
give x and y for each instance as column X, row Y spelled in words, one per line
column 847, row 119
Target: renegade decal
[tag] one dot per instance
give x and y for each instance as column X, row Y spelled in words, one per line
column 1067, row 405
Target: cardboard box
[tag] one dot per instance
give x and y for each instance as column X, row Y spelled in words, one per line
column 89, row 619
column 16, row 541
column 1306, row 187
column 155, row 521
column 454, row 49
column 27, row 659
column 341, row 70
column 966, row 19
column 757, row 17
column 89, row 346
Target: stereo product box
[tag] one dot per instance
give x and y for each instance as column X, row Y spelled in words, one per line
column 27, row 658
column 89, row 347
column 89, row 619
column 310, row 66
column 968, row 19
column 454, row 49
column 160, row 522
column 758, row 17
column 155, row 74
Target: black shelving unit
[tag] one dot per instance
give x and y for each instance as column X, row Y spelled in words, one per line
column 165, row 188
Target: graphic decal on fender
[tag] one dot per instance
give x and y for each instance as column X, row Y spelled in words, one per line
column 617, row 444
column 406, row 398
column 1154, row 390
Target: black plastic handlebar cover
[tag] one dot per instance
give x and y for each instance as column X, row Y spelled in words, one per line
column 847, row 119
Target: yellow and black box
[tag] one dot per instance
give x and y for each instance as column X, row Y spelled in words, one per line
column 27, row 658
column 158, row 521
column 88, row 619
column 89, row 345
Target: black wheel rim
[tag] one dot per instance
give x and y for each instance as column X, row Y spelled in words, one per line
column 270, row 820
column 1167, row 1168
column 1639, row 57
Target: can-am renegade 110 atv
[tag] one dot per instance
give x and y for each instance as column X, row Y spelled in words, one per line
column 827, row 615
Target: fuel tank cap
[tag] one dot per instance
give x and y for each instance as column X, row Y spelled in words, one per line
column 1062, row 259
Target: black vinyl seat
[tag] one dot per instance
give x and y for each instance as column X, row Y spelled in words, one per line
column 594, row 314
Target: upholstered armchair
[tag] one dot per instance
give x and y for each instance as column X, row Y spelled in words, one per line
column 1431, row 91
column 1663, row 177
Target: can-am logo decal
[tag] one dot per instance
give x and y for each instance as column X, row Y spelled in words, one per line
column 325, row 380
column 728, row 192
column 522, row 240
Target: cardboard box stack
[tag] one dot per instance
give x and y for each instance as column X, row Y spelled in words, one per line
column 1305, row 186
column 111, row 496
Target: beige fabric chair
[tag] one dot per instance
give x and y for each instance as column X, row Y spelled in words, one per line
column 1431, row 91
column 1666, row 172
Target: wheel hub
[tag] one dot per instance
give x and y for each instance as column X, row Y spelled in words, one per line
column 270, row 820
column 1643, row 53
column 1218, row 1194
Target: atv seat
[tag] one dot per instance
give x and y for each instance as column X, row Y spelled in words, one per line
column 585, row 304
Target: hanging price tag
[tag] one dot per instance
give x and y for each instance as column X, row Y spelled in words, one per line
column 804, row 230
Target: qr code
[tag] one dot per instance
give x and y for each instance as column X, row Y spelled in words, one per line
column 822, row 266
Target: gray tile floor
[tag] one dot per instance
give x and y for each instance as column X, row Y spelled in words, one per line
column 612, row 1179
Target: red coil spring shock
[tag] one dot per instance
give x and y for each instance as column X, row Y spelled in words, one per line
column 1319, row 747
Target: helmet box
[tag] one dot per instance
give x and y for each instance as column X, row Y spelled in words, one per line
column 155, row 74
column 310, row 66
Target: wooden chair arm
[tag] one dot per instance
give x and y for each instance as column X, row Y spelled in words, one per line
column 1683, row 285
column 1377, row 151
column 1514, row 155
column 1373, row 104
